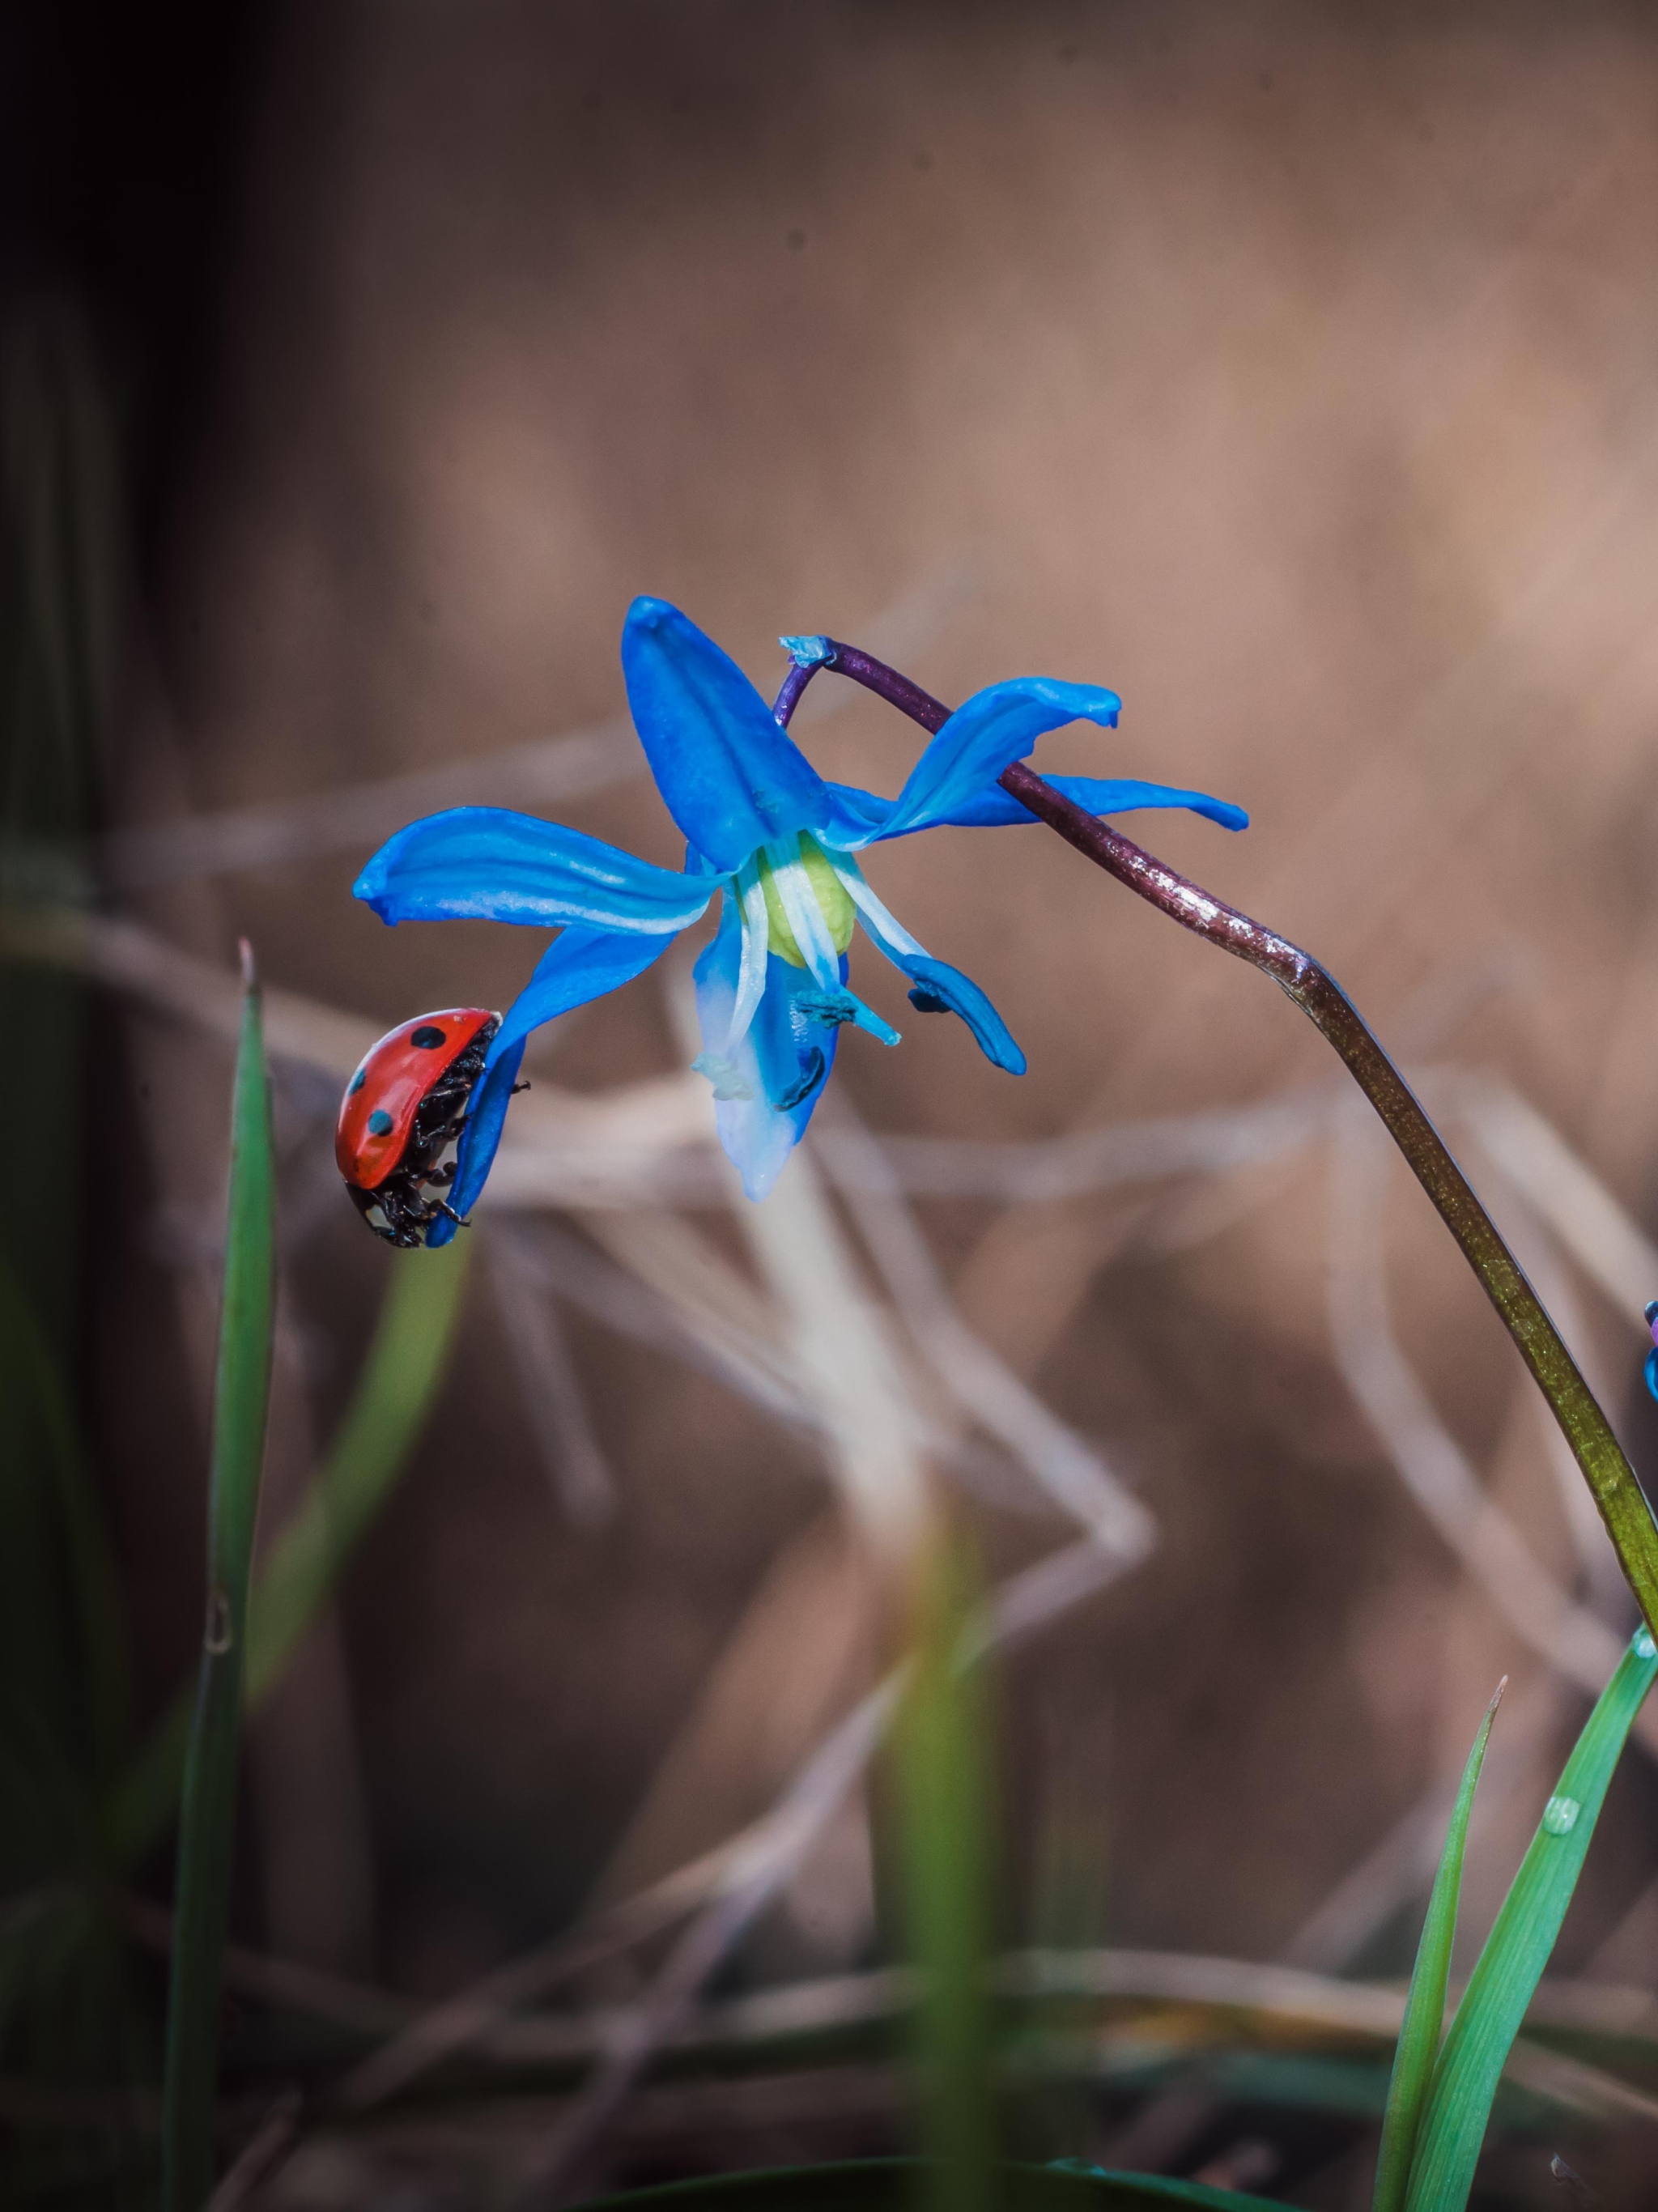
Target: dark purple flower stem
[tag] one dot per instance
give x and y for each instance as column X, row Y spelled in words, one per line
column 1623, row 1506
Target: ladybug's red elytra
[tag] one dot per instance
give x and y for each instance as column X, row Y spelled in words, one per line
column 401, row 1110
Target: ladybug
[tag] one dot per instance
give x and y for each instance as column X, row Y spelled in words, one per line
column 402, row 1111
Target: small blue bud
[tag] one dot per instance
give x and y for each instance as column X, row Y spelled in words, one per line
column 809, row 652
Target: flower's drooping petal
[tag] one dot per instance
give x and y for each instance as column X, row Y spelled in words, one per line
column 938, row 987
column 764, row 1090
column 487, row 863
column 980, row 740
column 480, row 1139
column 992, row 808
column 731, row 777
column 581, row 966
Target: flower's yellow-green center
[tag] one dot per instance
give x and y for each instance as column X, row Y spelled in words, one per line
column 833, row 901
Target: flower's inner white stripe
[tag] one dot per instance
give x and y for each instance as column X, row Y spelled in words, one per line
column 885, row 928
column 756, row 932
column 806, row 916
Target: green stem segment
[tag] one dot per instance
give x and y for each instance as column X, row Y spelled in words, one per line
column 945, row 1794
column 207, row 1815
column 1611, row 1478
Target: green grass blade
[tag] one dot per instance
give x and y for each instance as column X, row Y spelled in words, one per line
column 207, row 1817
column 1425, row 2008
column 1517, row 1949
column 942, row 1746
column 393, row 1398
column 888, row 2185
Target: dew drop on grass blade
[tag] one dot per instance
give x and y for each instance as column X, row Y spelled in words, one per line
column 207, row 1814
column 1425, row 2008
column 1517, row 1949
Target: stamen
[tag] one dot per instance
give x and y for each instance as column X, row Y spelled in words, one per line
column 884, row 927
column 840, row 1006
column 804, row 915
column 810, row 1076
column 756, row 931
column 727, row 1078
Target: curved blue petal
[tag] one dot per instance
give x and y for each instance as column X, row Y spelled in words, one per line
column 766, row 1087
column 731, row 777
column 938, row 988
column 992, row 808
column 480, row 1140
column 488, row 863
column 581, row 966
column 993, row 728
column 855, row 817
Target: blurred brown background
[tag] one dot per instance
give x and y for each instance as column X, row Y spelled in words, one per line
column 1291, row 370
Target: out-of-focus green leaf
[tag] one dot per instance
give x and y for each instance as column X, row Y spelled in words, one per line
column 388, row 1410
column 207, row 1816
column 94, row 1614
column 947, row 1820
column 887, row 2184
column 1425, row 2008
column 1517, row 1949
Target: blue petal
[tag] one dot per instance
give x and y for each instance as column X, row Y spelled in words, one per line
column 992, row 808
column 480, row 1140
column 487, row 863
column 856, row 817
column 993, row 728
column 938, row 988
column 730, row 776
column 765, row 1092
column 581, row 966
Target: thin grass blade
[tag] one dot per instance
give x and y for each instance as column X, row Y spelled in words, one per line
column 1516, row 1951
column 207, row 1817
column 389, row 1409
column 1425, row 2008
column 888, row 2185
column 942, row 1749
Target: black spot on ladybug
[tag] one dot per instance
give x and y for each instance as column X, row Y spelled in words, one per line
column 428, row 1038
column 380, row 1122
column 356, row 1083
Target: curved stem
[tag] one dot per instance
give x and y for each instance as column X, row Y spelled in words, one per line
column 1611, row 1478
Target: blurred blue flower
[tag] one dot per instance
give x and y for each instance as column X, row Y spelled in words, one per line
column 775, row 844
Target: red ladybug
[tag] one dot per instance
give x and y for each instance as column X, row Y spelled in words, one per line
column 401, row 1110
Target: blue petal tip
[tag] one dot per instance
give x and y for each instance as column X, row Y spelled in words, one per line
column 649, row 613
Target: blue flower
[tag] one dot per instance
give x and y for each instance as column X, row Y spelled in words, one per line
column 775, row 844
